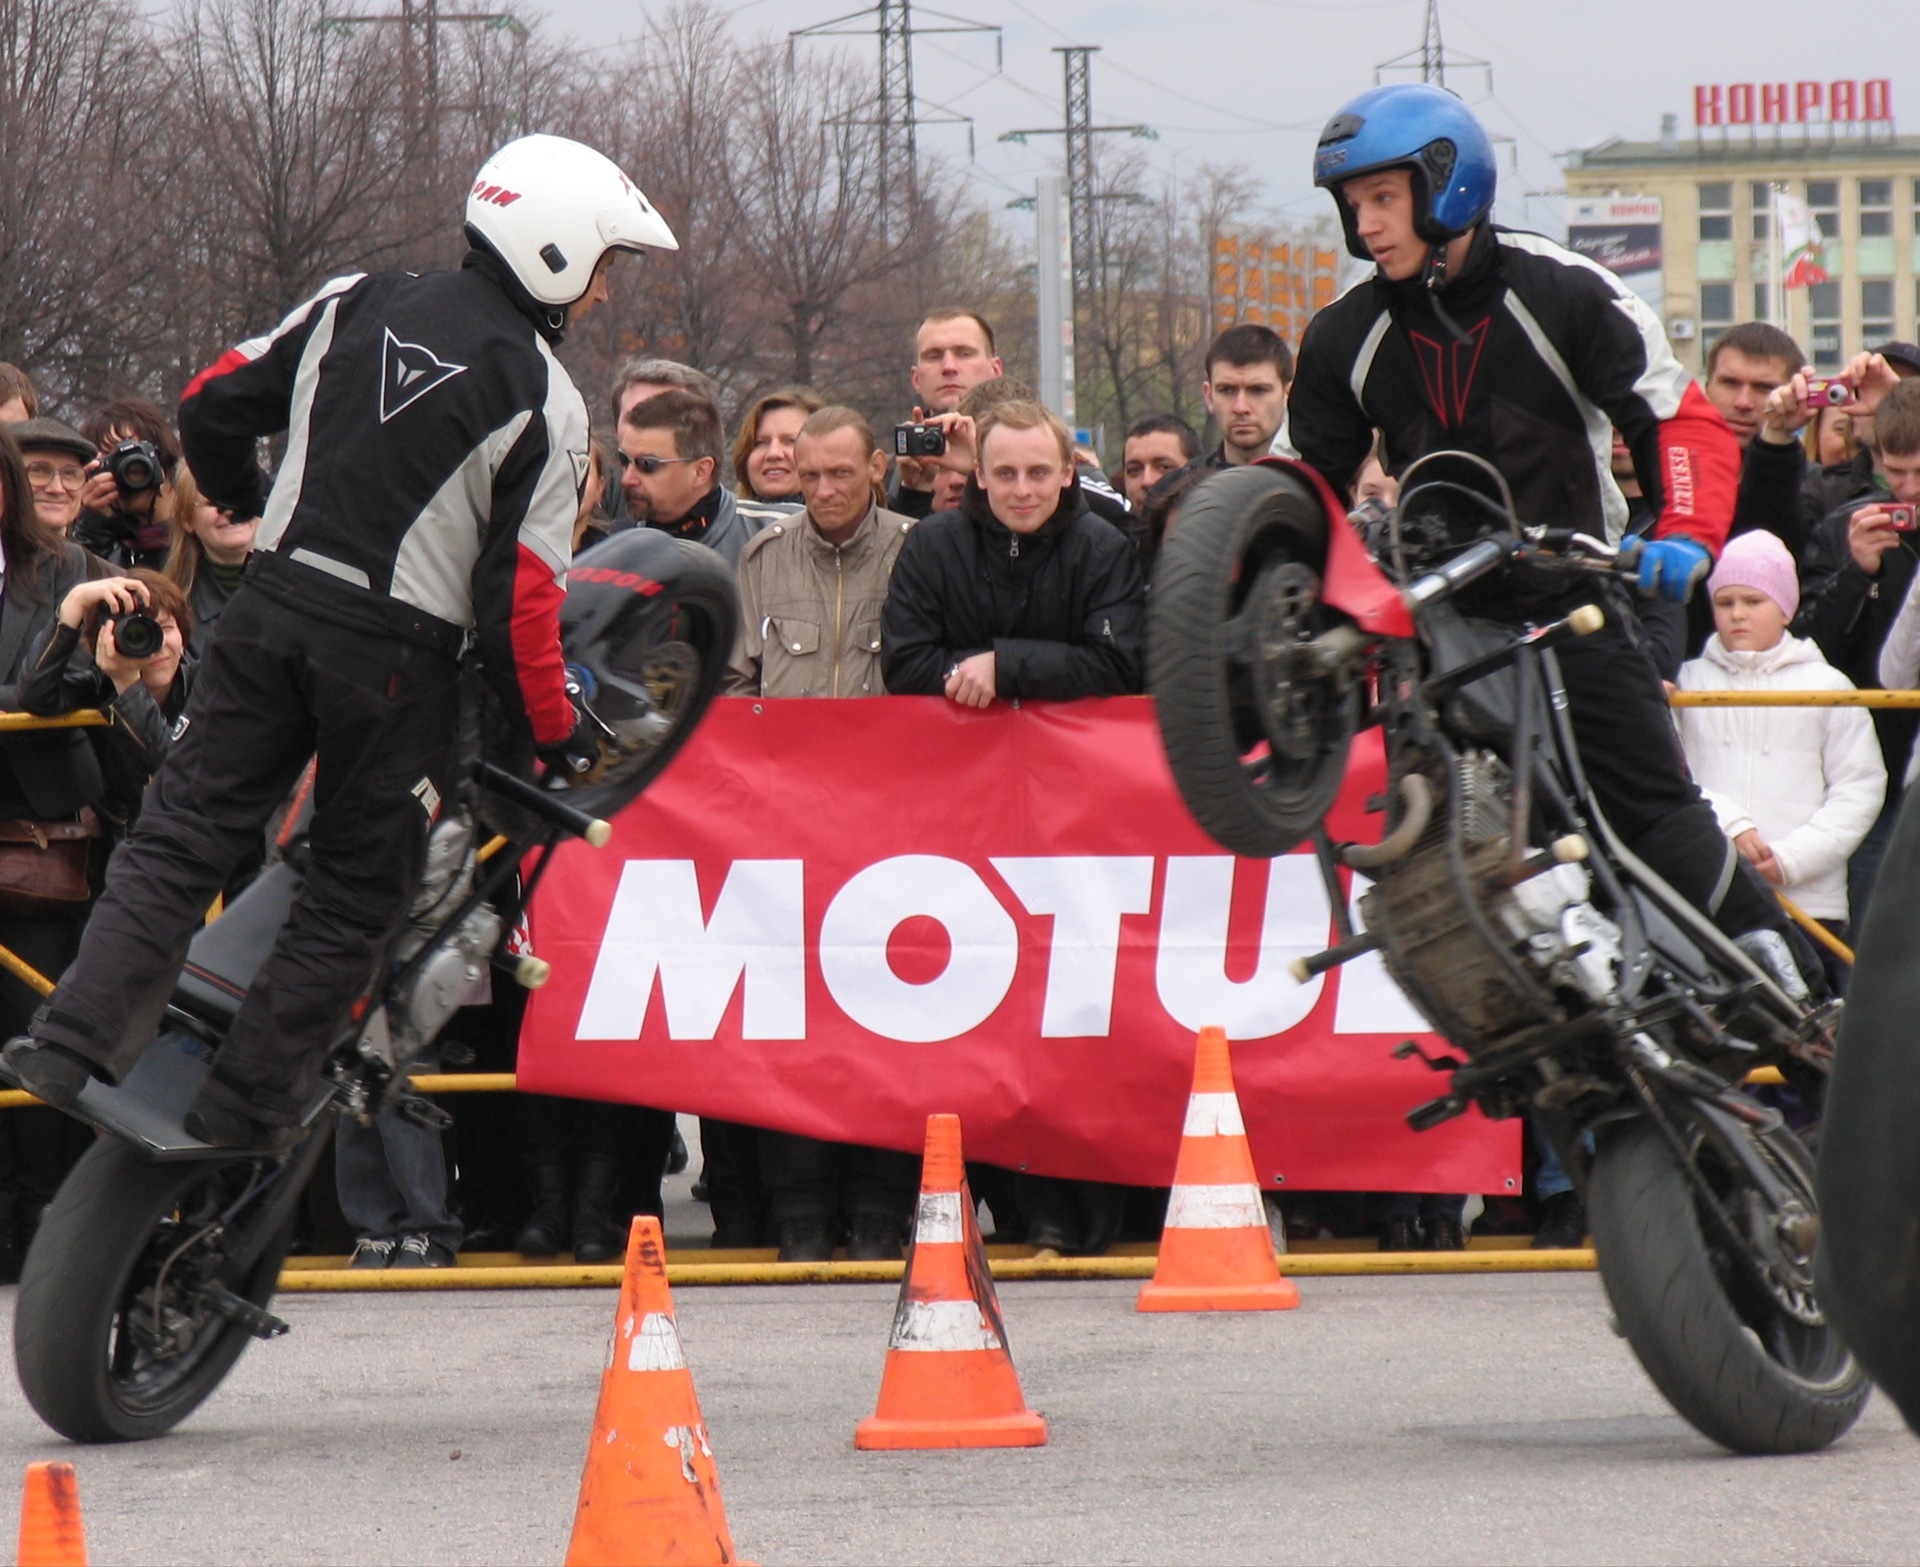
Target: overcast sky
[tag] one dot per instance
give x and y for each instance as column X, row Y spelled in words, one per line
column 1251, row 81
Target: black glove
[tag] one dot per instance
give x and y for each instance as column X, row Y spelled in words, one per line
column 577, row 755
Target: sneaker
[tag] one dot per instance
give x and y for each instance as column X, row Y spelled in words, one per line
column 51, row 1073
column 373, row 1251
column 422, row 1251
column 1563, row 1223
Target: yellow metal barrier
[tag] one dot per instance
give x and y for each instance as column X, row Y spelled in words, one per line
column 1795, row 698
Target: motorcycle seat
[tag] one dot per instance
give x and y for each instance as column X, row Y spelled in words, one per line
column 224, row 958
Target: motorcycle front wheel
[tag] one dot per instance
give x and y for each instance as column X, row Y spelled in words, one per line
column 1258, row 752
column 126, row 1320
column 1726, row 1325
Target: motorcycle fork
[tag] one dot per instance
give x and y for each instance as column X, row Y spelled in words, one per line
column 271, row 1199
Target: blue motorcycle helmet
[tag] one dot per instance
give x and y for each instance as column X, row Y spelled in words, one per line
column 1424, row 129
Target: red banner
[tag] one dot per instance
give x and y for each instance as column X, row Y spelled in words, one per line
column 836, row 917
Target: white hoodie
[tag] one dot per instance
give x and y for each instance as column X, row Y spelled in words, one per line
column 1810, row 779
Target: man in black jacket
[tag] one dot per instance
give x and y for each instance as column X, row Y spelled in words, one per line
column 1503, row 344
column 1022, row 592
column 435, row 453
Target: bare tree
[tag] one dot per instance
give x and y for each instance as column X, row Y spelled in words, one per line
column 304, row 143
column 81, row 118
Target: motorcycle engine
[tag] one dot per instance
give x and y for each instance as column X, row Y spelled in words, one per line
column 1552, row 916
column 453, row 976
column 1441, row 954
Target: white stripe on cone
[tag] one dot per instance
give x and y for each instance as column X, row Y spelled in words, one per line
column 938, row 1219
column 1216, row 1208
column 942, row 1325
column 1215, row 1115
column 656, row 1347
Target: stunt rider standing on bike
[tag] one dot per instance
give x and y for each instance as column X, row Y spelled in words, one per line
column 435, row 454
column 1474, row 338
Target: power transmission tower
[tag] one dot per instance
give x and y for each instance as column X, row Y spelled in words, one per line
column 898, row 113
column 1432, row 60
column 427, row 17
column 1079, row 131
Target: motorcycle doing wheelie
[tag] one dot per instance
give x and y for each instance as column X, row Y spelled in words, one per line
column 1577, row 987
column 155, row 1262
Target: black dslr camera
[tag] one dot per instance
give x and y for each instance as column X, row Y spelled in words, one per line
column 136, row 633
column 135, row 466
column 919, row 440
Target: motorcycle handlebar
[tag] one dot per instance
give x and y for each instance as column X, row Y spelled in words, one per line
column 1468, row 566
column 551, row 808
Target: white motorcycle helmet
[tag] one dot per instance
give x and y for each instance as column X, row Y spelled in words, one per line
column 550, row 208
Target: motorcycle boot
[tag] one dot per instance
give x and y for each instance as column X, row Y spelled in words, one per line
column 545, row 1232
column 598, row 1234
column 51, row 1073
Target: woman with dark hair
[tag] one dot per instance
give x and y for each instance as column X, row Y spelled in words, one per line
column 763, row 467
column 51, row 851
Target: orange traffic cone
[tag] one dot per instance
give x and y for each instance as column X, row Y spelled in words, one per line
column 650, row 1492
column 51, row 1533
column 949, row 1380
column 1216, row 1252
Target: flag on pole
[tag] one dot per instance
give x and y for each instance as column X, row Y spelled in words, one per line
column 1801, row 241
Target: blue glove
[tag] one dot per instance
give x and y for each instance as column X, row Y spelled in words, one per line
column 1671, row 568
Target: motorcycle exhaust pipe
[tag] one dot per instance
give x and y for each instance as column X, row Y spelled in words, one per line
column 1416, row 794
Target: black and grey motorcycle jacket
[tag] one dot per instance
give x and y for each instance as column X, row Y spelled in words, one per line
column 435, row 454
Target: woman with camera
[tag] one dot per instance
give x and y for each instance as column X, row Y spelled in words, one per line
column 51, row 851
column 137, row 627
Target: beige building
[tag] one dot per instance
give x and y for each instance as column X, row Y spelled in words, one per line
column 1716, row 191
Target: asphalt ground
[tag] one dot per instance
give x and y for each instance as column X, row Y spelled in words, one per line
column 1443, row 1419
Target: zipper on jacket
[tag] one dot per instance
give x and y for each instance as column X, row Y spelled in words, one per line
column 1013, row 550
column 839, row 601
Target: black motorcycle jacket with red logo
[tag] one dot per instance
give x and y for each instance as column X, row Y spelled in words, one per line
column 1557, row 352
column 435, row 454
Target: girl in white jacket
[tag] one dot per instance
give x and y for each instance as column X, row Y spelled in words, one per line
column 1795, row 788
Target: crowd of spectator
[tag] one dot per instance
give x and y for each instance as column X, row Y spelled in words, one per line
column 999, row 562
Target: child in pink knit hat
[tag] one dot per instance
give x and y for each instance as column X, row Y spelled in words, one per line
column 1796, row 788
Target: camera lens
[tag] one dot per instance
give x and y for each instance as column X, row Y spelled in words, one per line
column 137, row 634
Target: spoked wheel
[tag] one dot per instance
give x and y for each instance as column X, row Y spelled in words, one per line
column 1717, row 1297
column 131, row 1310
column 658, row 652
column 1257, row 740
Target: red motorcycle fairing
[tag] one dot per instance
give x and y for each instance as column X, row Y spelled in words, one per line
column 1351, row 582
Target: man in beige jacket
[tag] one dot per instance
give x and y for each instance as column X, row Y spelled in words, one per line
column 811, row 586
column 811, row 590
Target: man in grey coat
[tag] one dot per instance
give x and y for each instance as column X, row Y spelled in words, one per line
column 669, row 465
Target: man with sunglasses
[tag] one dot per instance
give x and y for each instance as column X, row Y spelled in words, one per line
column 669, row 467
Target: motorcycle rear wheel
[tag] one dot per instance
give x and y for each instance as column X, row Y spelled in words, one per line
column 1753, row 1372
column 1258, row 755
column 84, row 1343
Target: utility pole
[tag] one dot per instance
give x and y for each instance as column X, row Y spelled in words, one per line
column 1053, row 289
column 898, row 113
column 1079, row 131
column 1431, row 60
column 428, row 18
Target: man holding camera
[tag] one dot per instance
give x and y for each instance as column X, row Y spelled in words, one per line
column 953, row 352
column 435, row 454
column 126, row 508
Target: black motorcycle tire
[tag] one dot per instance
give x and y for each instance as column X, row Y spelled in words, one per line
column 1674, row 1309
column 701, row 603
column 1232, row 528
column 78, row 1271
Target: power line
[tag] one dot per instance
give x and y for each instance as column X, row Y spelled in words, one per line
column 897, row 113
